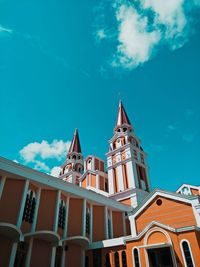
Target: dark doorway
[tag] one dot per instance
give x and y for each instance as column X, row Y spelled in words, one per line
column 160, row 257
column 97, row 258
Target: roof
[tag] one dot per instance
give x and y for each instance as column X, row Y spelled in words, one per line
column 122, row 117
column 75, row 144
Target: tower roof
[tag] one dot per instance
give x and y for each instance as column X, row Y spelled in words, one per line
column 122, row 117
column 75, row 144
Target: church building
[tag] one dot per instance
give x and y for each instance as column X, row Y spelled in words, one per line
column 97, row 213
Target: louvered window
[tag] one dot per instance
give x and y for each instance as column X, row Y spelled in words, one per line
column 116, row 259
column 87, row 221
column 29, row 208
column 124, row 262
column 62, row 215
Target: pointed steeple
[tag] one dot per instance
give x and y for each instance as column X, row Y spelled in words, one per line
column 122, row 117
column 75, row 144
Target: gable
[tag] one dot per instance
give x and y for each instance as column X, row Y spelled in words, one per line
column 167, row 211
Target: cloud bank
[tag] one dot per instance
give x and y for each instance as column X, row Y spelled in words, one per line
column 143, row 26
column 36, row 153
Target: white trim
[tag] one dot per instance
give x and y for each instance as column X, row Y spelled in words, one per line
column 50, row 181
column 36, row 210
column 120, row 178
column 91, row 221
column 56, row 214
column 134, row 257
column 183, row 254
column 66, row 217
column 2, row 182
column 22, row 204
column 84, row 218
column 111, row 223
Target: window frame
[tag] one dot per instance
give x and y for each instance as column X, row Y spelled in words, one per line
column 134, row 256
column 183, row 254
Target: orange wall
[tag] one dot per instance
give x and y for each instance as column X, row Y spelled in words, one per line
column 93, row 180
column 11, row 199
column 194, row 191
column 101, row 182
column 117, row 224
column 173, row 213
column 41, row 253
column 46, row 212
column 128, row 227
column 98, row 223
column 126, row 201
column 96, row 164
column 75, row 217
column 83, row 183
column 73, row 256
column 5, row 250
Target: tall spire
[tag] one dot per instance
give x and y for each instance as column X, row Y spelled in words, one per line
column 122, row 117
column 75, row 144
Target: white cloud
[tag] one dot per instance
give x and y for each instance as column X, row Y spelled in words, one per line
column 15, row 161
column 39, row 165
column 56, row 149
column 36, row 153
column 5, row 30
column 55, row 171
column 135, row 41
column 143, row 26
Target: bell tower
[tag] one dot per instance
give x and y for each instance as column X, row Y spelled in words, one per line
column 72, row 168
column 128, row 173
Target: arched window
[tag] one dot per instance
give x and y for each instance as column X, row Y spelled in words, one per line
column 62, row 214
column 29, row 208
column 108, row 260
column 124, row 262
column 187, row 253
column 87, row 221
column 116, row 259
column 136, row 258
column 73, row 157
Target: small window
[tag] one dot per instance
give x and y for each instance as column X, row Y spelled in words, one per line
column 58, row 258
column 159, row 202
column 118, row 130
column 124, row 262
column 21, row 253
column 136, row 257
column 79, row 157
column 116, row 259
column 87, row 221
column 29, row 208
column 73, row 157
column 124, row 129
column 62, row 215
column 188, row 259
column 108, row 260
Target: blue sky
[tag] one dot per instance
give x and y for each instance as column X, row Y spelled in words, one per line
column 64, row 64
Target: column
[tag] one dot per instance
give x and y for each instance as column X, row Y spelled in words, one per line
column 91, row 221
column 55, row 228
column 82, row 257
column 111, row 224
column 28, row 256
column 124, row 223
column 2, row 182
column 66, row 218
column 106, row 222
column 13, row 254
column 132, row 174
column 133, row 226
column 36, row 210
column 53, row 256
column 120, row 178
column 110, row 181
column 84, row 218
column 21, row 210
